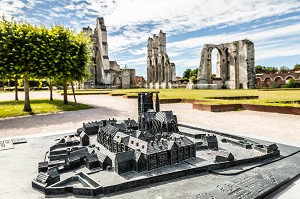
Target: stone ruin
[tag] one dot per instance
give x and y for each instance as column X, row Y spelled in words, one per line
column 160, row 72
column 235, row 67
column 103, row 72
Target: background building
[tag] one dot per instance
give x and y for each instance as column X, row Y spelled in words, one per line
column 276, row 80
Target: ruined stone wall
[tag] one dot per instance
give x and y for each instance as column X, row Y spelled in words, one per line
column 235, row 65
column 160, row 73
column 125, row 78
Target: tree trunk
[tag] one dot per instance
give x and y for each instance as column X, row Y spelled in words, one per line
column 65, row 93
column 27, row 107
column 51, row 90
column 73, row 91
column 16, row 89
column 9, row 85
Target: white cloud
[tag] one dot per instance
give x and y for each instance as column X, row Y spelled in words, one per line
column 269, row 42
column 131, row 22
column 192, row 14
column 10, row 8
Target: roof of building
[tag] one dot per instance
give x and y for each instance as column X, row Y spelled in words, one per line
column 121, row 138
column 101, row 157
column 77, row 154
column 42, row 177
column 130, row 123
column 53, row 173
column 181, row 140
column 92, row 158
column 164, row 116
column 143, row 133
column 92, row 124
column 83, row 134
column 120, row 125
column 110, row 129
column 137, row 144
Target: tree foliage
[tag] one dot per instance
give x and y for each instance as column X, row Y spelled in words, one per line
column 30, row 51
column 189, row 73
column 284, row 69
column 194, row 73
column 293, row 83
column 296, row 67
column 186, row 73
column 264, row 69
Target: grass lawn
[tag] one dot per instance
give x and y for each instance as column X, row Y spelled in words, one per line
column 266, row 97
column 15, row 108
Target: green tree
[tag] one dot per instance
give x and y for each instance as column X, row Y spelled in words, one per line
column 194, row 73
column 271, row 69
column 193, row 79
column 7, row 59
column 186, row 73
column 260, row 69
column 70, row 55
column 296, row 67
column 284, row 69
column 29, row 62
column 28, row 51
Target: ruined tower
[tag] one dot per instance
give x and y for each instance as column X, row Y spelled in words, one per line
column 235, row 65
column 103, row 72
column 160, row 72
column 101, row 52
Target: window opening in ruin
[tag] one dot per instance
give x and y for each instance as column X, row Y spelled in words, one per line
column 215, row 64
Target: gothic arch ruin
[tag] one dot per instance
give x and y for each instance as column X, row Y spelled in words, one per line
column 117, row 82
column 160, row 72
column 235, row 65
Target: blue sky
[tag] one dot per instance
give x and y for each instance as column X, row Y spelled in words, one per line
column 273, row 26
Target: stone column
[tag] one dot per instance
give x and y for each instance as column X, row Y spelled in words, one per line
column 202, row 72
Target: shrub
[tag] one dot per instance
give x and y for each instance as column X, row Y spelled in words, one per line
column 194, row 79
column 293, row 84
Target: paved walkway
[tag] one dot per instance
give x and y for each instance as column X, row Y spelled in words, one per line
column 267, row 126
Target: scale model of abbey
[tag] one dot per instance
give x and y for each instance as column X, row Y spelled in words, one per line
column 109, row 155
column 153, row 142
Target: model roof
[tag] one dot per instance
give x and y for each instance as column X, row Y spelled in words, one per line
column 110, row 129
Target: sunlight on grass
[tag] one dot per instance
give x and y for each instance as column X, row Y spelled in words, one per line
column 15, row 108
